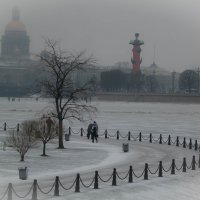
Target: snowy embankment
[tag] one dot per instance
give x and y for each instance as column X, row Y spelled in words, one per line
column 82, row 156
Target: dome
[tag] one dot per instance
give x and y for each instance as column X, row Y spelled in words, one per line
column 15, row 25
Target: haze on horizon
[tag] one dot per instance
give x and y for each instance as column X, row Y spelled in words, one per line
column 105, row 27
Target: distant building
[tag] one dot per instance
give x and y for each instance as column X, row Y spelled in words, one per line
column 15, row 41
column 17, row 70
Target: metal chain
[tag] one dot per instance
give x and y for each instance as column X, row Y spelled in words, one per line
column 179, row 168
column 123, row 136
column 138, row 176
column 69, row 188
column 112, row 135
column 105, row 180
column 84, row 185
column 22, row 197
column 122, row 178
column 153, row 172
column 39, row 188
column 189, row 166
column 4, row 194
column 76, row 133
column 168, row 169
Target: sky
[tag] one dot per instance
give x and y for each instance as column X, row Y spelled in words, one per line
column 169, row 28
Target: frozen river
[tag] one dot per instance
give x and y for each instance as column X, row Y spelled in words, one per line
column 165, row 118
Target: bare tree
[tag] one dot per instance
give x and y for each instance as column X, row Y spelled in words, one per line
column 60, row 86
column 24, row 139
column 46, row 131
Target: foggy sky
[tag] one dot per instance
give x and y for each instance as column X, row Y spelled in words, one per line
column 105, row 27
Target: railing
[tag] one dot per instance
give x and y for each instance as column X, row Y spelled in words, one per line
column 140, row 137
column 94, row 183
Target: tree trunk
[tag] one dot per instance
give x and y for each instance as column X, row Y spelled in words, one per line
column 44, row 149
column 60, row 134
column 22, row 158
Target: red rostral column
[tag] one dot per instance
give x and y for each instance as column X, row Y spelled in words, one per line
column 136, row 60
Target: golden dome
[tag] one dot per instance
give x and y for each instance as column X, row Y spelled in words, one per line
column 15, row 25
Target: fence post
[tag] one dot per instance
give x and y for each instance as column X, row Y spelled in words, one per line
column 81, row 131
column 117, row 134
column 150, row 138
column 129, row 135
column 34, row 195
column 190, row 144
column 77, row 187
column 169, row 140
column 177, row 141
column 10, row 191
column 5, row 126
column 160, row 174
column 56, row 191
column 114, row 181
column 18, row 127
column 96, row 184
column 69, row 130
column 193, row 163
column 199, row 160
column 130, row 177
column 160, row 140
column 196, row 145
column 184, row 143
column 140, row 137
column 184, row 164
column 106, row 134
column 146, row 171
column 173, row 166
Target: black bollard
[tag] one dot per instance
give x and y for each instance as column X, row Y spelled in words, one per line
column 199, row 162
column 106, row 134
column 160, row 140
column 196, row 145
column 184, row 143
column 190, row 144
column 146, row 172
column 114, row 181
column 81, row 131
column 129, row 135
column 140, row 137
column 150, row 138
column 96, row 184
column 34, row 194
column 177, row 141
column 160, row 174
column 169, row 140
column 77, row 187
column 130, row 177
column 70, row 131
column 9, row 191
column 184, row 164
column 17, row 127
column 117, row 134
column 56, row 191
column 5, row 126
column 193, row 163
column 173, row 166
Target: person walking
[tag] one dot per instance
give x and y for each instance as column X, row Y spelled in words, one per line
column 89, row 130
column 94, row 132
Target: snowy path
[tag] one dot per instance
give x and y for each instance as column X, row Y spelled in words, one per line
column 104, row 156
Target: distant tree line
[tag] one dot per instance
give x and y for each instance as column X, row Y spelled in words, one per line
column 117, row 80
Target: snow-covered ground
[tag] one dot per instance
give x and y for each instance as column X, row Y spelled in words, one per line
column 85, row 157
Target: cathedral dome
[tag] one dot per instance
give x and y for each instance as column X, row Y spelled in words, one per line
column 15, row 26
